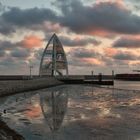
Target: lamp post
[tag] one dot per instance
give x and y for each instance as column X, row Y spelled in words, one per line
column 31, row 71
column 31, row 67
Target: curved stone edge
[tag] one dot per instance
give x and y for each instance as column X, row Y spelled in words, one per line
column 14, row 87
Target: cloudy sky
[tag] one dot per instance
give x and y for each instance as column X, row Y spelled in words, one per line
column 99, row 35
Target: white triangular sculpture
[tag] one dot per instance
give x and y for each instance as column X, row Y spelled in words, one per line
column 53, row 61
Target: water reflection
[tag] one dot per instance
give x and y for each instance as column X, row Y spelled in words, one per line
column 76, row 112
column 54, row 105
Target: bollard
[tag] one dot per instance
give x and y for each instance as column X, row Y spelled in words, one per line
column 100, row 77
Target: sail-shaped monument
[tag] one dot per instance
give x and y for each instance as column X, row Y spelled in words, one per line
column 53, row 61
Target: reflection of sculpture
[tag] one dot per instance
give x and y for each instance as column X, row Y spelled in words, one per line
column 54, row 106
column 53, row 61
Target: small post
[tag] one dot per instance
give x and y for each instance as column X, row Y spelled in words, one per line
column 100, row 77
column 92, row 73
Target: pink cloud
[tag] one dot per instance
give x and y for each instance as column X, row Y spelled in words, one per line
column 32, row 41
column 110, row 51
column 92, row 61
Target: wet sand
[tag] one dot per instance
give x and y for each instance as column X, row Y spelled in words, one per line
column 79, row 113
column 7, row 133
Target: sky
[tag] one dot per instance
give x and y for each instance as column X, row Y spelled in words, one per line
column 97, row 35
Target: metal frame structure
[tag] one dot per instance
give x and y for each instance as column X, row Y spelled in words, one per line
column 53, row 60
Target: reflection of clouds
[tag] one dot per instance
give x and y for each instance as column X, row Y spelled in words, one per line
column 98, row 103
column 22, row 109
column 104, row 114
column 89, row 113
column 33, row 111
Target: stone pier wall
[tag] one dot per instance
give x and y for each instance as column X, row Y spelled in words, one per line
column 17, row 86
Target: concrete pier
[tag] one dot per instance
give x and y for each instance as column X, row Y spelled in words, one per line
column 87, row 79
column 80, row 81
column 16, row 86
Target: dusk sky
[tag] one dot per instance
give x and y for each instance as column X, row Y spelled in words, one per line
column 99, row 35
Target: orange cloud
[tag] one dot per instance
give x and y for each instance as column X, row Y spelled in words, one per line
column 120, row 3
column 32, row 41
column 110, row 51
column 102, row 33
column 133, row 37
column 134, row 63
column 93, row 61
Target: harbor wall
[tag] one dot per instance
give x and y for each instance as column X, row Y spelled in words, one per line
column 10, row 87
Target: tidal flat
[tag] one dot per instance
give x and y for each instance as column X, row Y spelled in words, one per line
column 78, row 112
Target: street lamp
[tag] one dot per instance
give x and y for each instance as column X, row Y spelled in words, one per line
column 31, row 67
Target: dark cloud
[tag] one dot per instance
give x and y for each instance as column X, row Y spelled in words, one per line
column 125, row 42
column 95, row 19
column 6, row 45
column 17, row 55
column 2, row 53
column 108, row 61
column 80, row 56
column 125, row 56
column 114, row 63
column 83, row 53
column 20, row 53
column 8, row 61
column 25, row 18
column 105, row 16
column 11, row 65
column 66, row 41
column 77, row 62
column 28, row 17
column 6, row 29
